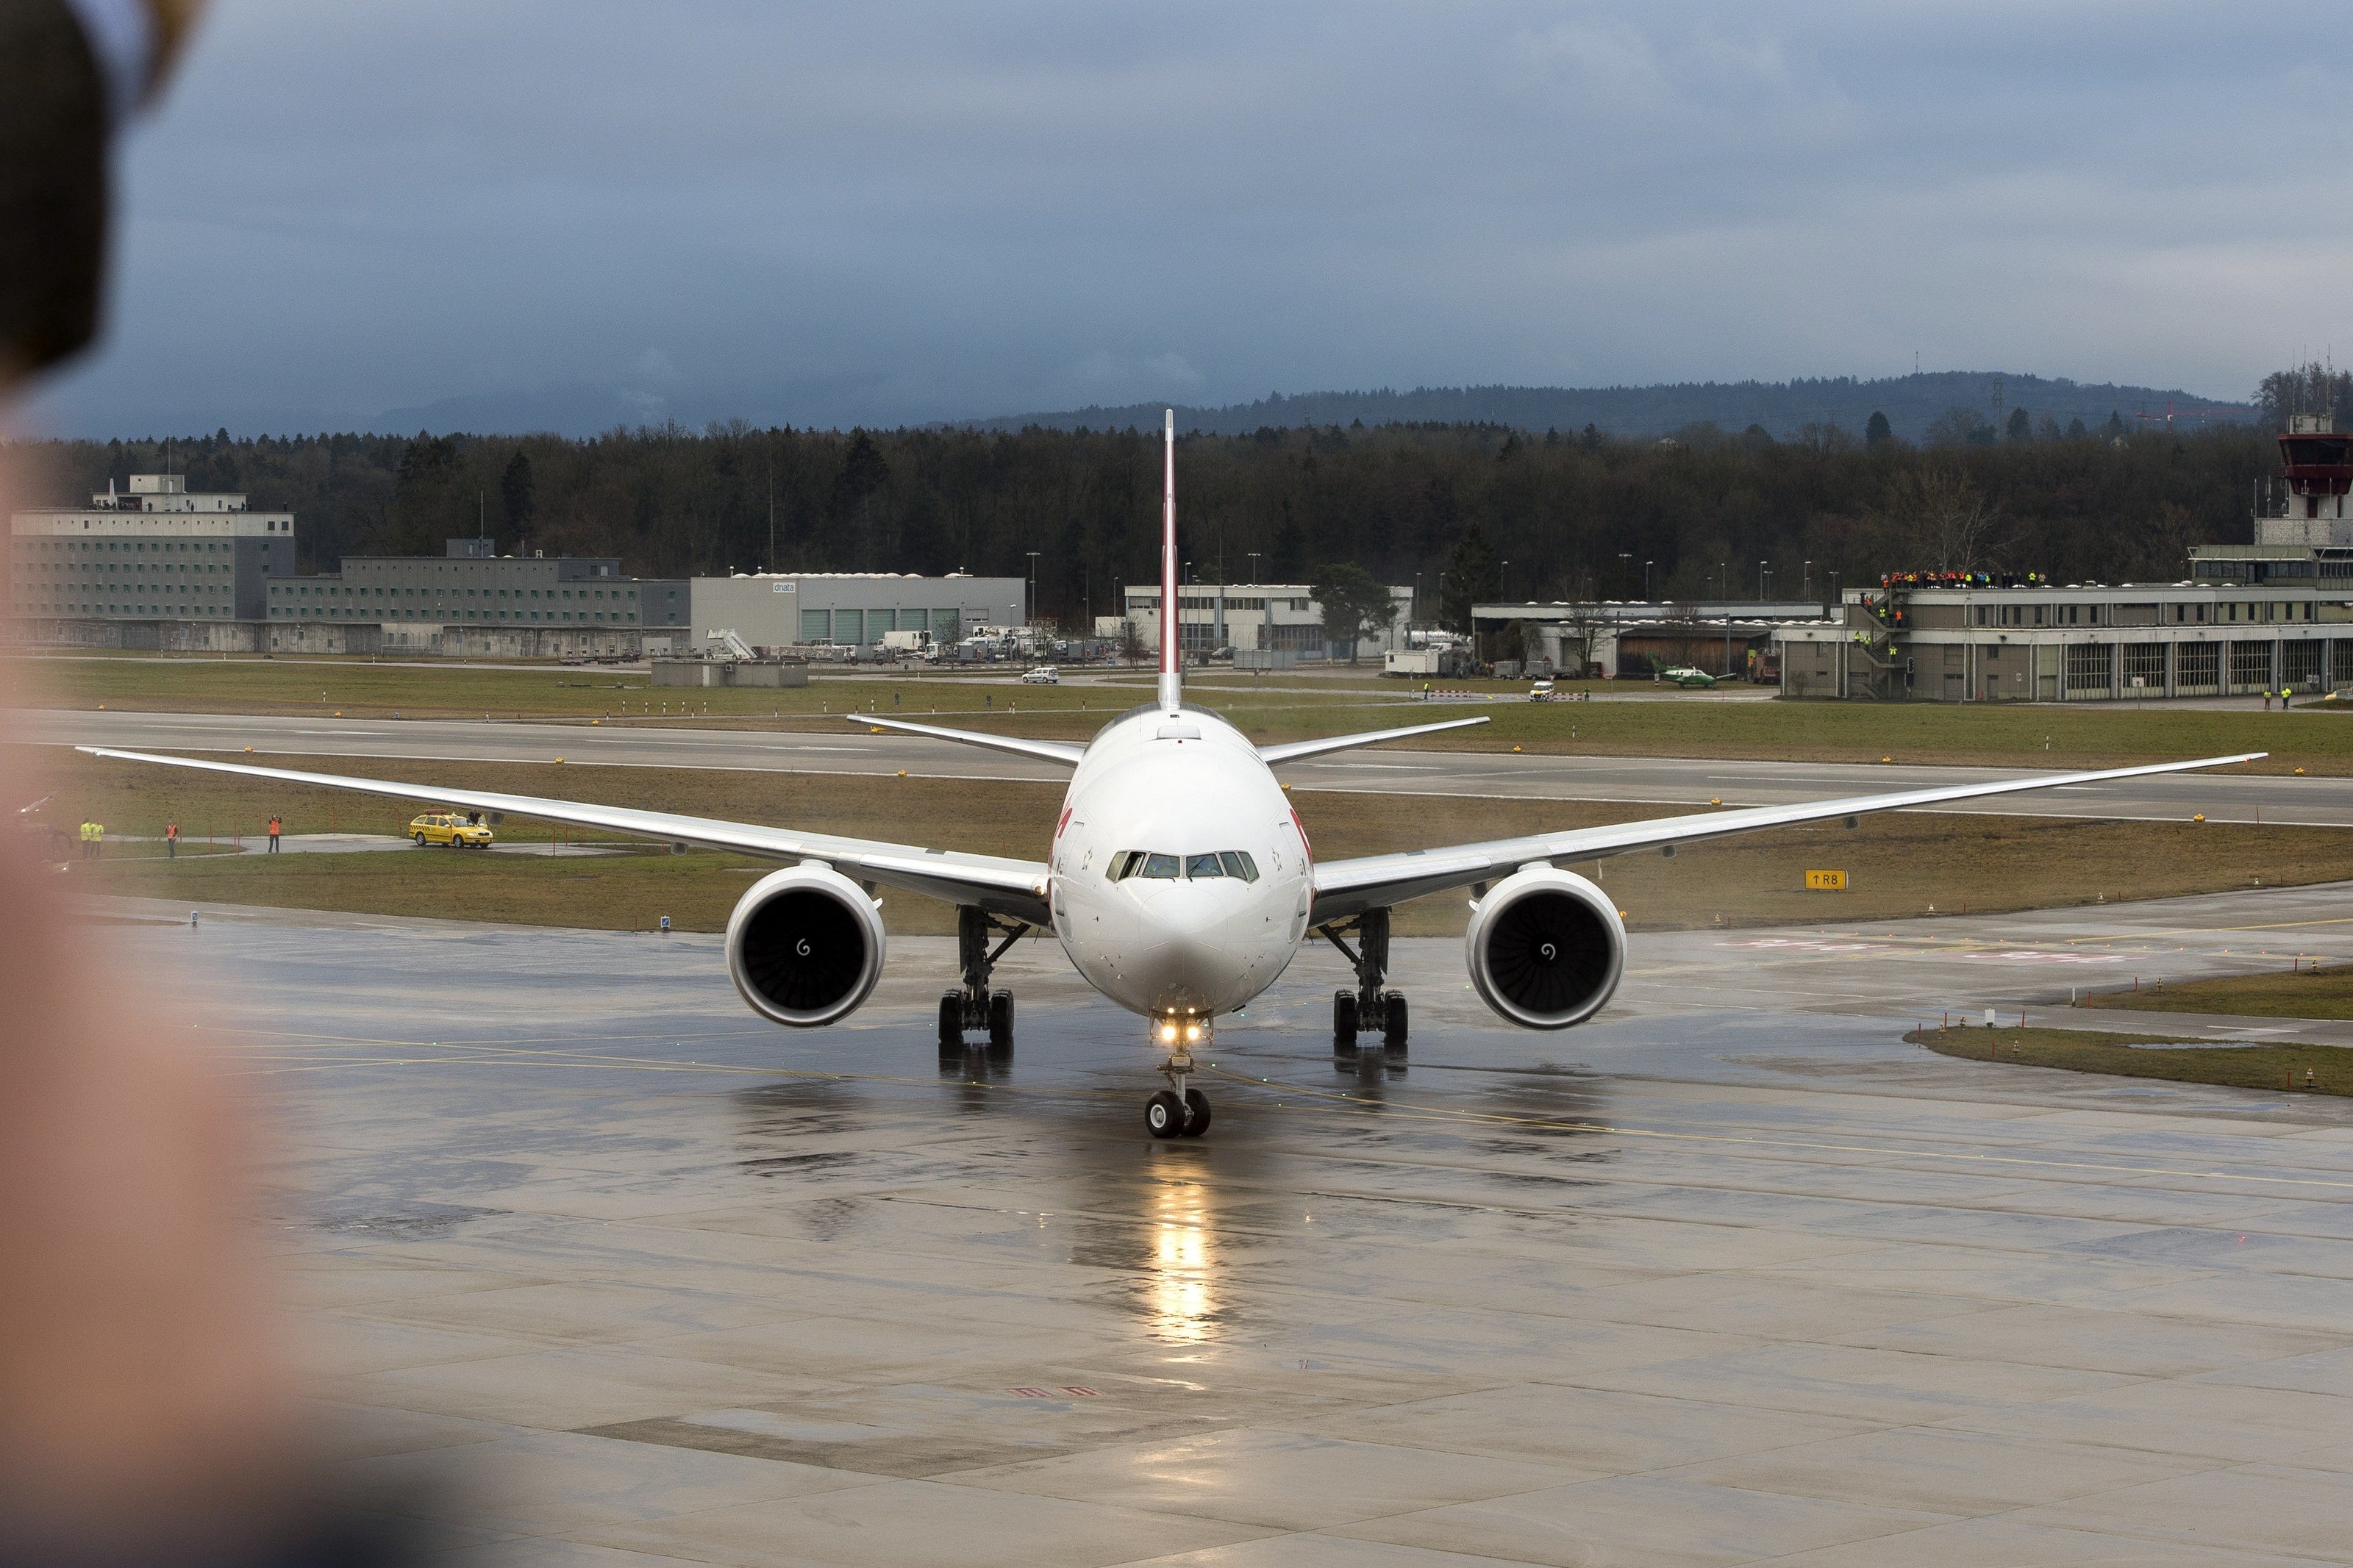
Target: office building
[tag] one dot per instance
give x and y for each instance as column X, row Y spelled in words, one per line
column 471, row 585
column 158, row 551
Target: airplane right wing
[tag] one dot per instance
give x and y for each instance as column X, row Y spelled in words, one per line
column 1016, row 888
column 1292, row 751
column 1344, row 888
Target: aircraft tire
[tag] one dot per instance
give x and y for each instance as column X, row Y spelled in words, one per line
column 952, row 1020
column 1163, row 1115
column 1393, row 1021
column 1000, row 1021
column 1196, row 1113
column 1344, row 1020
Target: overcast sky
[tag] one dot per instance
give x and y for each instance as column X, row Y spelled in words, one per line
column 508, row 214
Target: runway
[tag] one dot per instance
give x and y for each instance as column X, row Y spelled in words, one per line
column 608, row 1272
column 1390, row 770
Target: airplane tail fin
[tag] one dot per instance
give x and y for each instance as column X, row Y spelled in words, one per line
column 1171, row 671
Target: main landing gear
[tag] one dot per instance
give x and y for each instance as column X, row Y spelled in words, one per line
column 1179, row 1110
column 975, row 1006
column 1367, row 1007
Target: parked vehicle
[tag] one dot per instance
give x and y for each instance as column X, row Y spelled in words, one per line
column 1043, row 675
column 458, row 830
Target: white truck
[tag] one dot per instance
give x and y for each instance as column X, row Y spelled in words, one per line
column 910, row 645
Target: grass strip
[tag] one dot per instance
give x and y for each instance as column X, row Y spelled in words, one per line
column 2289, row 1068
column 2054, row 736
column 2302, row 992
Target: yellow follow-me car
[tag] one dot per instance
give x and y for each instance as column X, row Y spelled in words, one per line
column 455, row 828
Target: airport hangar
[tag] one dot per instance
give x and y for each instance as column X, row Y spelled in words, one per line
column 776, row 610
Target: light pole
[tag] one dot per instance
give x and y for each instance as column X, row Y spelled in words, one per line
column 1646, row 580
column 1806, row 581
column 1502, row 572
column 1627, row 557
column 1253, row 560
column 1029, row 616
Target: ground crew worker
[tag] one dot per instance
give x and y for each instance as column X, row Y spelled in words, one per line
column 274, row 829
column 87, row 828
column 172, row 840
column 97, row 840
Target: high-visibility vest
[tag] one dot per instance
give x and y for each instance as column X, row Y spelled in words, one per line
column 85, row 832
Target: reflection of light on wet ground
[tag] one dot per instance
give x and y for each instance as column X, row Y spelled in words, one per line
column 1182, row 1296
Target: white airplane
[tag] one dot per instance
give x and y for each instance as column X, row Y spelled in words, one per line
column 1179, row 881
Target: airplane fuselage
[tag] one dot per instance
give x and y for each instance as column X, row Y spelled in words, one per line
column 1180, row 879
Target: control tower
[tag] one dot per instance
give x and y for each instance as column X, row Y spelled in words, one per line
column 2317, row 471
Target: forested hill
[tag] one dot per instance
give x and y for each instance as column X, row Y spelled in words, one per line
column 1912, row 403
column 1569, row 515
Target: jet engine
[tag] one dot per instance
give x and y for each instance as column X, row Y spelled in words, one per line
column 805, row 946
column 1546, row 948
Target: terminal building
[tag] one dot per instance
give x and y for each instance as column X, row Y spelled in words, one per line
column 158, row 551
column 1628, row 639
column 470, row 584
column 2250, row 619
column 1256, row 617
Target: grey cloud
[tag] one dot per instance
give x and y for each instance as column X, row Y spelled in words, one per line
column 532, row 214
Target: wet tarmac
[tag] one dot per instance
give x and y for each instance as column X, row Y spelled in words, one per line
column 602, row 1270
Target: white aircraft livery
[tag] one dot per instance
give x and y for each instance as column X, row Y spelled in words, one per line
column 1179, row 881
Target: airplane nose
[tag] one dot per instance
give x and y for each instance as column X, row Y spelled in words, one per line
column 1185, row 968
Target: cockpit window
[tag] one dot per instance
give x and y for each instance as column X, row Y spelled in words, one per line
column 1168, row 867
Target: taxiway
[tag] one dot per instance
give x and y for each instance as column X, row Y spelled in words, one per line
column 608, row 1272
column 1662, row 780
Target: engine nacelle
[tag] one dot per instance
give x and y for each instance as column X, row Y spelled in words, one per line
column 805, row 946
column 1546, row 948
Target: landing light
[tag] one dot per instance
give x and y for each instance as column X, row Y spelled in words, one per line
column 1192, row 1031
column 1169, row 1031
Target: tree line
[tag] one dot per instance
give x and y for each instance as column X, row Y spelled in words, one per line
column 1462, row 511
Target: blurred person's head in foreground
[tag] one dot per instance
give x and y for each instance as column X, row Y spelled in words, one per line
column 147, row 1409
column 73, row 73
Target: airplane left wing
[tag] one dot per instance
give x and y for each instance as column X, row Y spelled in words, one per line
column 1016, row 888
column 1344, row 888
column 1046, row 750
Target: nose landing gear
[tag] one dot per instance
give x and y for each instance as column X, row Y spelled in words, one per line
column 1367, row 1007
column 1179, row 1111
